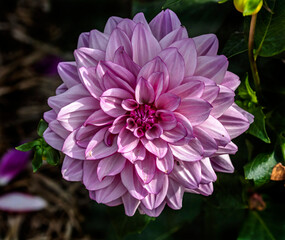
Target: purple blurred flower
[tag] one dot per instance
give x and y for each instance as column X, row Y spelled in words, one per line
column 21, row 202
column 11, row 164
column 145, row 113
column 48, row 65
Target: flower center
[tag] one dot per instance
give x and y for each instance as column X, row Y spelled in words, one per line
column 141, row 119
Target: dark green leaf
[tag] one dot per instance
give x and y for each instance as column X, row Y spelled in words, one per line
column 250, row 103
column 246, row 92
column 172, row 3
column 282, row 144
column 51, row 155
column 37, row 160
column 28, row 146
column 125, row 225
column 235, row 45
column 259, row 170
column 257, row 128
column 255, row 228
column 270, row 28
column 42, row 127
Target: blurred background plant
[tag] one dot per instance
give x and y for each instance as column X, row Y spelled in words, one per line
column 249, row 204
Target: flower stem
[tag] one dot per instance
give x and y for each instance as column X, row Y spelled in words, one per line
column 252, row 59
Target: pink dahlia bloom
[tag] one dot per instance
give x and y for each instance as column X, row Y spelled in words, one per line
column 145, row 113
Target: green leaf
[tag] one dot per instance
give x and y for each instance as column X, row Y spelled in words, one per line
column 235, row 45
column 270, row 28
column 246, row 92
column 37, row 160
column 259, row 170
column 257, row 128
column 28, row 146
column 51, row 155
column 255, row 228
column 250, row 103
column 42, row 127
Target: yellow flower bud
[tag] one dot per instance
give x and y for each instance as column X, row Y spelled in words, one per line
column 248, row 7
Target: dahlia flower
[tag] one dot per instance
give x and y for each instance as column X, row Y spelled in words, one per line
column 145, row 114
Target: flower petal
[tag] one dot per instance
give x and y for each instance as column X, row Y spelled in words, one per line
column 130, row 204
column 145, row 47
column 87, row 76
column 174, row 134
column 99, row 118
column 110, row 166
column 222, row 163
column 156, row 184
column 231, row 81
column 71, row 95
column 168, row 101
column 222, row 102
column 166, row 163
column 154, row 132
column 230, row 148
column 118, row 39
column 174, row 194
column 127, row 26
column 126, row 141
column 208, row 143
column 131, row 182
column 166, row 119
column 146, row 168
column 187, row 49
column 216, row 130
column 110, row 193
column 83, row 40
column 144, row 92
column 97, row 147
column 53, row 139
column 68, row 73
column 112, row 24
column 111, row 101
column 195, row 109
column 175, row 65
column 174, row 36
column 155, row 66
column 90, row 177
column 72, row 169
column 98, row 40
column 137, row 154
column 88, row 57
column 73, row 115
column 234, row 122
column 153, row 201
column 193, row 89
column 213, row 67
column 71, row 149
column 157, row 146
column 190, row 152
column 206, row 45
column 208, row 173
column 106, row 66
column 118, row 124
column 164, row 23
column 123, row 59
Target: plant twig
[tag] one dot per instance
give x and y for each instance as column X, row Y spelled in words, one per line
column 252, row 60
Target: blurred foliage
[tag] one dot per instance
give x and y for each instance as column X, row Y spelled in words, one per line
column 232, row 211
